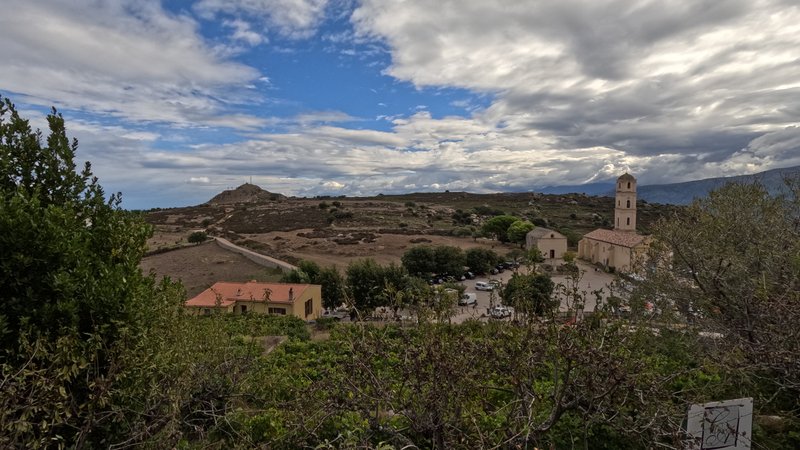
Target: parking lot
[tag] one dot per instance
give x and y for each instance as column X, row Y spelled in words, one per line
column 590, row 281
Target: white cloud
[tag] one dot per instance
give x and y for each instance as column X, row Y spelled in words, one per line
column 199, row 180
column 242, row 32
column 690, row 82
column 290, row 18
column 129, row 59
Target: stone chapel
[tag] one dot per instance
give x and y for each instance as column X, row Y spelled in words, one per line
column 621, row 248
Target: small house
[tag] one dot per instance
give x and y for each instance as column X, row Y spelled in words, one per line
column 300, row 300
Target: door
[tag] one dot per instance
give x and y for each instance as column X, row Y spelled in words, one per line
column 552, row 254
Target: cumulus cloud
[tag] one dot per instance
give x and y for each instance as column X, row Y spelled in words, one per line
column 689, row 82
column 572, row 91
column 129, row 59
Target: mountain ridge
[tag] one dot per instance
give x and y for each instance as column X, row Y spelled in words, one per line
column 681, row 193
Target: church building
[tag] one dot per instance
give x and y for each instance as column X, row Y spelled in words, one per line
column 620, row 248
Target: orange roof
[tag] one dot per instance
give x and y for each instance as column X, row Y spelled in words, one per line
column 230, row 293
column 623, row 238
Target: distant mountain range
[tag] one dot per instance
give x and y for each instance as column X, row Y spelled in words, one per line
column 681, row 193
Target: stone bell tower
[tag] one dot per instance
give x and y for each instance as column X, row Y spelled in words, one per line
column 625, row 206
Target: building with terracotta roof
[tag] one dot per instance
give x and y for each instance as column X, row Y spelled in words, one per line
column 621, row 248
column 551, row 243
column 301, row 300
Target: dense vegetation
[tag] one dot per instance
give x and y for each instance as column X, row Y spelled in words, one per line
column 95, row 355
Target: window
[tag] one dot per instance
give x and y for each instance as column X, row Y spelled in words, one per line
column 309, row 307
column 629, row 220
column 628, row 204
column 279, row 311
column 619, row 203
column 629, row 184
column 206, row 312
column 617, row 221
column 243, row 309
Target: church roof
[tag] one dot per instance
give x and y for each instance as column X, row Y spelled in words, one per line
column 541, row 232
column 623, row 238
column 626, row 177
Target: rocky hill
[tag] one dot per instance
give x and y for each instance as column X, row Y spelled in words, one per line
column 246, row 193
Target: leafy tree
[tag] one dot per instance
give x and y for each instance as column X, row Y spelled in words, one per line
column 81, row 324
column 333, row 286
column 531, row 294
column 518, row 230
column 419, row 260
column 498, row 227
column 70, row 259
column 533, row 257
column 481, row 260
column 733, row 259
column 367, row 280
column 197, row 237
column 449, row 259
column 443, row 259
column 329, row 278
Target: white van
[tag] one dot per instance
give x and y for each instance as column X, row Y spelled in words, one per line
column 469, row 298
column 483, row 286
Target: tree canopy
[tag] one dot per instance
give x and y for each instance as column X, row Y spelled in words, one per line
column 481, row 260
column 518, row 231
column 329, row 278
column 498, row 226
column 424, row 260
column 531, row 294
column 733, row 258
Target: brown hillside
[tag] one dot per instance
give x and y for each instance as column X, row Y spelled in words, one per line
column 246, row 193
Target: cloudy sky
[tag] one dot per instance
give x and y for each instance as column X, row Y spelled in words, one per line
column 174, row 101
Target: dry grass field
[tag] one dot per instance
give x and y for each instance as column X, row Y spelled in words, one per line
column 336, row 231
column 200, row 266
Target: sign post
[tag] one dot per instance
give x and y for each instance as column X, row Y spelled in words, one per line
column 725, row 425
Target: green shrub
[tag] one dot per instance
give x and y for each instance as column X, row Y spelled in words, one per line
column 197, row 237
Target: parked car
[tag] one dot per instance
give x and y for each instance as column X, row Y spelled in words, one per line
column 500, row 312
column 495, row 283
column 336, row 314
column 500, row 268
column 469, row 275
column 468, row 298
column 483, row 286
